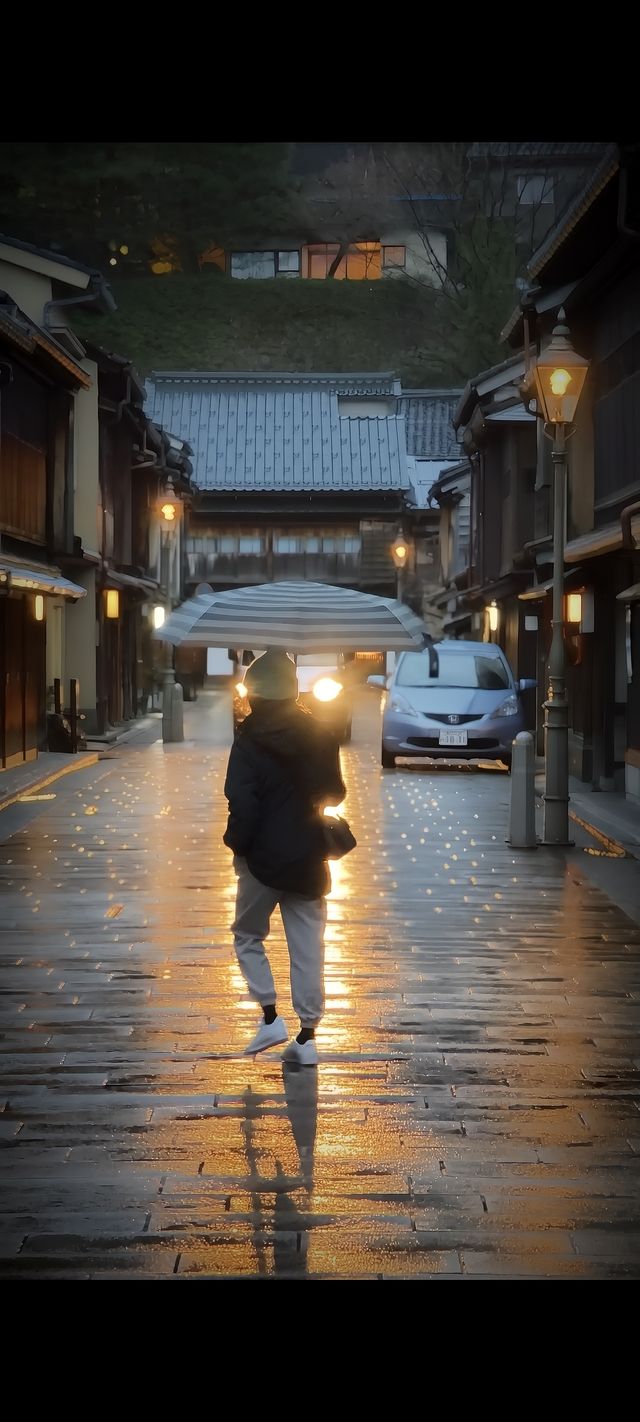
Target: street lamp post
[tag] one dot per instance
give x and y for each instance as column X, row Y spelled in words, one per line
column 560, row 374
column 400, row 553
column 172, row 722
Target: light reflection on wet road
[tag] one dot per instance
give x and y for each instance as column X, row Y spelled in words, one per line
column 476, row 1110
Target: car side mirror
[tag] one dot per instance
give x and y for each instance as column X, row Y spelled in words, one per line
column 527, row 683
column 378, row 681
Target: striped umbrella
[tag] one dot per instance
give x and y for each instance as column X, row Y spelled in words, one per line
column 299, row 617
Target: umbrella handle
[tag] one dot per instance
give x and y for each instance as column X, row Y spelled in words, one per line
column 434, row 660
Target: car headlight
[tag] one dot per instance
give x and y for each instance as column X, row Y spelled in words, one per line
column 241, row 690
column 398, row 703
column 510, row 707
column 326, row 689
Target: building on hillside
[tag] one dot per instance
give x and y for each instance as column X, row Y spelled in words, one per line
column 398, row 248
column 532, row 182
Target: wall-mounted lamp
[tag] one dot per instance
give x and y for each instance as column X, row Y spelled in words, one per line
column 574, row 607
column 112, row 603
column 494, row 617
column 159, row 615
column 38, row 607
column 400, row 551
column 169, row 507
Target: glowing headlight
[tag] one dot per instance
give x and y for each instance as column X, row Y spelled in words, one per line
column 241, row 689
column 326, row 689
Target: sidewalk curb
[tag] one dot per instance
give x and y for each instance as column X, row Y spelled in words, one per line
column 88, row 758
column 611, row 846
column 102, row 747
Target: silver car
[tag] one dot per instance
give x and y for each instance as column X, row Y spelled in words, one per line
column 455, row 701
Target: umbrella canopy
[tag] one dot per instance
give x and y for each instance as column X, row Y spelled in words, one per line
column 299, row 617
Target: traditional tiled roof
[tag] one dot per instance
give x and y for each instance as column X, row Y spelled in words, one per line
column 349, row 383
column 537, row 150
column 428, row 416
column 268, row 433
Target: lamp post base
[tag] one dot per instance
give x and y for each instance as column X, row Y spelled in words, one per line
column 556, row 792
column 172, row 713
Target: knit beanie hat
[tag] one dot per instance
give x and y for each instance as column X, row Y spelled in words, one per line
column 272, row 677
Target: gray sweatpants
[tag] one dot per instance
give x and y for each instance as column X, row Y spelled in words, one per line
column 304, row 924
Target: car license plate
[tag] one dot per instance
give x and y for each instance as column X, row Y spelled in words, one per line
column 453, row 738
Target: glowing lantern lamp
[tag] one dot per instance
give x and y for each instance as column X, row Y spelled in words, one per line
column 399, row 551
column 169, row 507
column 112, row 604
column 560, row 374
column 494, row 617
column 159, row 615
column 574, row 607
column 39, row 607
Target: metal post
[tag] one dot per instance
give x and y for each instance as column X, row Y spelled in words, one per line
column 74, row 692
column 556, row 707
column 522, row 818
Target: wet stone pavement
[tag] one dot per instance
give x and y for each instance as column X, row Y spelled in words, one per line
column 476, row 1111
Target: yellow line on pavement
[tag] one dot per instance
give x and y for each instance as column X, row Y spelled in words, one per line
column 88, row 758
column 612, row 848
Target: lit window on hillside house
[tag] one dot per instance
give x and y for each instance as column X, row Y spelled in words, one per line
column 362, row 262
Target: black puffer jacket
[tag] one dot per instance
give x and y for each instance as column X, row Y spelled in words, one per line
column 283, row 766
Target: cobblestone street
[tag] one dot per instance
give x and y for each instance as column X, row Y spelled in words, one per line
column 475, row 1113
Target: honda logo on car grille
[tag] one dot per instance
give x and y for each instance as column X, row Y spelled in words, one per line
column 453, row 720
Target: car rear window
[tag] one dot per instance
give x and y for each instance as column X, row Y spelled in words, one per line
column 468, row 669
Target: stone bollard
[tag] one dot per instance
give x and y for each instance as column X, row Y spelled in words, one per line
column 172, row 712
column 522, row 818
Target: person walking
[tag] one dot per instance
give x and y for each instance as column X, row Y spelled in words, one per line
column 284, row 768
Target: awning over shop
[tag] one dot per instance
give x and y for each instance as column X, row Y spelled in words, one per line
column 540, row 590
column 535, row 594
column 127, row 580
column 599, row 541
column 40, row 579
column 631, row 594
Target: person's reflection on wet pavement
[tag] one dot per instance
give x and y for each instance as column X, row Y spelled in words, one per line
column 301, row 1095
column 291, row 1235
column 289, row 1224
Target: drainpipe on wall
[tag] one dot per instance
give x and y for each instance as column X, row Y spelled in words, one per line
column 82, row 300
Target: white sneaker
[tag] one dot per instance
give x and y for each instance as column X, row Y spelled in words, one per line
column 269, row 1034
column 304, row 1053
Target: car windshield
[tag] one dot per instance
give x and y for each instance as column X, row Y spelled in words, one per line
column 468, row 669
column 318, row 659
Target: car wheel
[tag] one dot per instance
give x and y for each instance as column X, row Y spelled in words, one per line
column 387, row 760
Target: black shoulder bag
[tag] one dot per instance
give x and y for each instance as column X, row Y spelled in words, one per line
column 338, row 838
